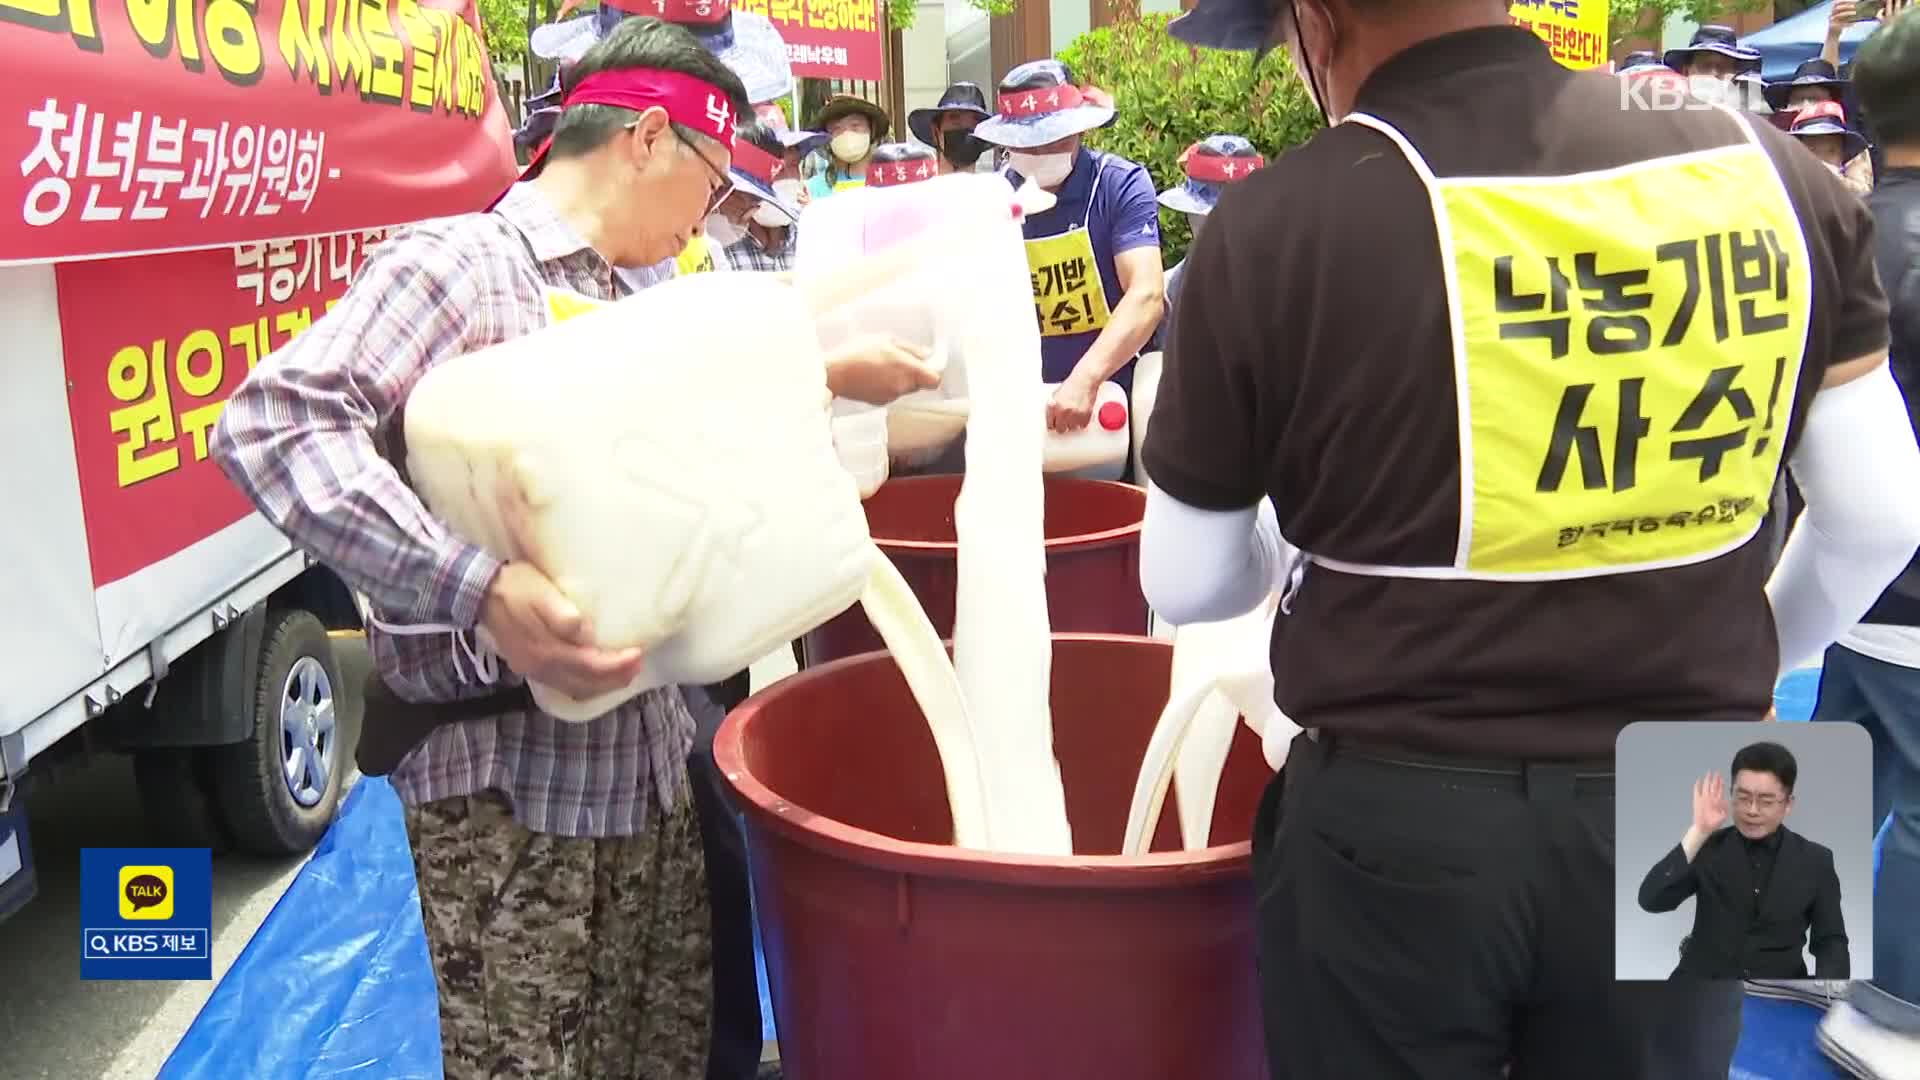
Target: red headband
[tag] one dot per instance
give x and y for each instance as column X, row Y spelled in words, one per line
column 1052, row 99
column 894, row 173
column 757, row 163
column 1219, row 168
column 683, row 12
column 692, row 102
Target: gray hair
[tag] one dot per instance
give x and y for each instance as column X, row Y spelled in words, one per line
column 638, row 42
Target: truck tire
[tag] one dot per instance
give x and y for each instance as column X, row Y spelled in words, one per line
column 176, row 799
column 278, row 788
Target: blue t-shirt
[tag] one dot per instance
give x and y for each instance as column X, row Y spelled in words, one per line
column 1124, row 214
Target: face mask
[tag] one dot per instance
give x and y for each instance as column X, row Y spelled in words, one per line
column 851, row 146
column 789, row 190
column 769, row 216
column 721, row 230
column 961, row 148
column 1711, row 89
column 1047, row 170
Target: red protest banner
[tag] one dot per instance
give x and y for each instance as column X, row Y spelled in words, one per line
column 153, row 347
column 827, row 39
column 163, row 125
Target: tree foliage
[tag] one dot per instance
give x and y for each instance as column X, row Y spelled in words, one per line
column 1635, row 18
column 1171, row 95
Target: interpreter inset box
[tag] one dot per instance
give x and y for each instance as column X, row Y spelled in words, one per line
column 1743, row 851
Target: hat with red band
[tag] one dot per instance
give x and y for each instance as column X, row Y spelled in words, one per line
column 1210, row 165
column 1827, row 118
column 745, row 41
column 899, row 163
column 756, row 167
column 688, row 101
column 1038, row 104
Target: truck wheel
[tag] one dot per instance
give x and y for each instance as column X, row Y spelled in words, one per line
column 175, row 799
column 278, row 788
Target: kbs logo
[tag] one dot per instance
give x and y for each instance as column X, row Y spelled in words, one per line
column 146, row 892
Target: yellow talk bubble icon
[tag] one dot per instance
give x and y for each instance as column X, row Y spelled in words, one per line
column 146, row 892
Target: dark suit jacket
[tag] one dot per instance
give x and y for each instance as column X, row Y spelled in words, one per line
column 1801, row 901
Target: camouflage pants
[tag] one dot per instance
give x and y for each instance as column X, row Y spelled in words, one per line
column 564, row 958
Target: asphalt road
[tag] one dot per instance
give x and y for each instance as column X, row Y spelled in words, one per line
column 53, row 1026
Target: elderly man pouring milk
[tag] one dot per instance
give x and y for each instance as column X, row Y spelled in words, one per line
column 559, row 864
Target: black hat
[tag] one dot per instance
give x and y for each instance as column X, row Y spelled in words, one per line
column 960, row 97
column 1715, row 39
column 1815, row 72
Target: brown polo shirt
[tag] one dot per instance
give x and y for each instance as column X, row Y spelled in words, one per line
column 1313, row 363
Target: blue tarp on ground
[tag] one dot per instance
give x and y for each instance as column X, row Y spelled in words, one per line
column 1786, row 43
column 336, row 983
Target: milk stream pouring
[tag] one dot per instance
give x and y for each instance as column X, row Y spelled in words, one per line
column 968, row 266
column 1099, row 450
column 674, row 476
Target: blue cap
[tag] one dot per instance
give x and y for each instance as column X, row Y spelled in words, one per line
column 1235, row 25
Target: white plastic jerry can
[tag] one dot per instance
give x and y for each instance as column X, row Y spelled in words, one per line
column 685, row 493
column 1146, row 388
column 1099, row 450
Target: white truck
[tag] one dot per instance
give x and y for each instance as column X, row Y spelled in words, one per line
column 184, row 188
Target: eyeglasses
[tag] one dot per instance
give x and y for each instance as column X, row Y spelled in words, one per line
column 1757, row 802
column 724, row 182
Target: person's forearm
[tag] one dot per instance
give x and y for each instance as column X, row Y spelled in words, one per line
column 1132, row 323
column 1692, row 842
column 296, row 439
column 1206, row 565
column 1830, row 48
column 1861, row 524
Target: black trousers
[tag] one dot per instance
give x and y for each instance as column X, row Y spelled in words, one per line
column 735, row 1053
column 1441, row 924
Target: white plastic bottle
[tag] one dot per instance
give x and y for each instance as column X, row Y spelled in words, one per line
column 686, row 495
column 1099, row 450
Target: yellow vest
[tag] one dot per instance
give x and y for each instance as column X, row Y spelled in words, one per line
column 1626, row 348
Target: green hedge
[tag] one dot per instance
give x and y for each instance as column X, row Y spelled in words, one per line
column 1171, row 96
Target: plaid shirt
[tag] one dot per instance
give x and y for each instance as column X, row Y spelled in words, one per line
column 747, row 254
column 310, row 437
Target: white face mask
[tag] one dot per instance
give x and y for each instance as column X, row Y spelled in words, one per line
column 1712, row 89
column 1047, row 170
column 722, row 231
column 769, row 216
column 851, row 146
column 789, row 190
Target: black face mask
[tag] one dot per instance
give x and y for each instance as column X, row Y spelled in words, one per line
column 961, row 148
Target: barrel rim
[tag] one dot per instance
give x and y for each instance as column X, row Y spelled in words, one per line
column 1078, row 541
column 863, row 847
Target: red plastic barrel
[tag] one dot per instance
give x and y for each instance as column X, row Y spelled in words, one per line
column 893, row 956
column 1093, row 558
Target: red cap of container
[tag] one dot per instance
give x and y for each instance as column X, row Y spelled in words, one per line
column 1113, row 416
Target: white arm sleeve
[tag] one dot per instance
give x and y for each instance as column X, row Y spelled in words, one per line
column 1858, row 468
column 1206, row 565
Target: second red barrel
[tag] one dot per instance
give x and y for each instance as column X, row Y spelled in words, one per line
column 1093, row 558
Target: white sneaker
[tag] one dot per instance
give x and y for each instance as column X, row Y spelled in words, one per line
column 1866, row 1049
column 1819, row 993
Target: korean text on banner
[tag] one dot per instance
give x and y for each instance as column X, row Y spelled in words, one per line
column 1576, row 30
column 147, row 379
column 827, row 39
column 141, row 126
